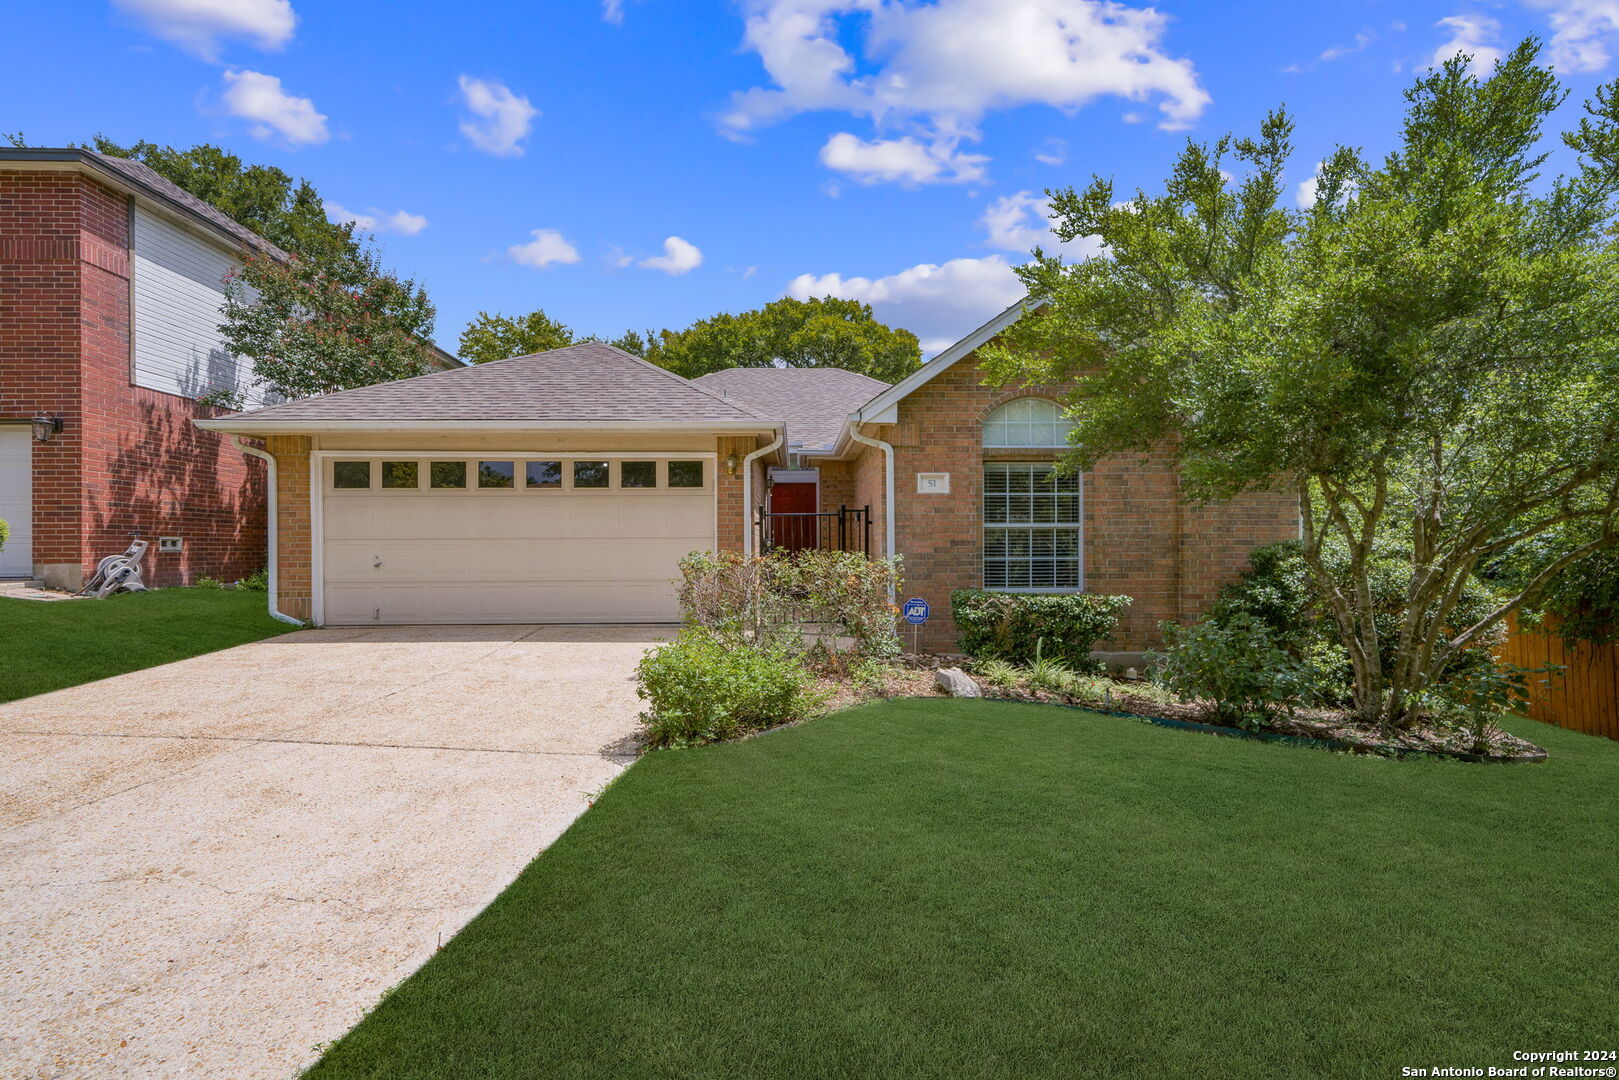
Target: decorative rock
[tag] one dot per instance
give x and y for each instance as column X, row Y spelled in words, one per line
column 956, row 683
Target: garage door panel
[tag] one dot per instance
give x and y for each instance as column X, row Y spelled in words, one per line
column 509, row 556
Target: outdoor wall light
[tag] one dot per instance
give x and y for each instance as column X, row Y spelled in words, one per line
column 731, row 462
column 46, row 425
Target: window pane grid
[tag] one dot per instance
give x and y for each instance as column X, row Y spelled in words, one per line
column 1031, row 527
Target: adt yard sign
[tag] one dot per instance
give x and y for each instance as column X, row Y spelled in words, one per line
column 916, row 611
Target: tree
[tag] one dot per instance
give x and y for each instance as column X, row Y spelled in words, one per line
column 289, row 213
column 314, row 328
column 828, row 332
column 1428, row 356
column 501, row 337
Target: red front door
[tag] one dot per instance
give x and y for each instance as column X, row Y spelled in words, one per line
column 792, row 516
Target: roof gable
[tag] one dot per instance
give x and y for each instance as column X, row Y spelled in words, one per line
column 884, row 408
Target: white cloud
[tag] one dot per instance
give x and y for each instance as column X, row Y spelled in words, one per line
column 938, row 303
column 258, row 97
column 905, row 160
column 938, row 68
column 500, row 119
column 547, row 247
column 678, row 257
column 1473, row 35
column 1053, row 152
column 400, row 221
column 197, row 25
column 1022, row 222
column 613, row 12
column 1583, row 32
column 1338, row 52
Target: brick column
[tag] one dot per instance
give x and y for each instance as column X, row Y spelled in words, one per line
column 294, row 539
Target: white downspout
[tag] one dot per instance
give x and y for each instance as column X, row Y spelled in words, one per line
column 270, row 530
column 747, row 491
column 888, row 483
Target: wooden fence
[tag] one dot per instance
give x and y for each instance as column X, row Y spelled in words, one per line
column 1585, row 697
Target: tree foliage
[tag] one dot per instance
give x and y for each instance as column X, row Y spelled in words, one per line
column 1427, row 357
column 287, row 212
column 501, row 337
column 828, row 332
column 314, row 328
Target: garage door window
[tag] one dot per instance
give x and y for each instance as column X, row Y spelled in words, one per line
column 448, row 474
column 495, row 474
column 685, row 474
column 638, row 474
column 590, row 474
column 400, row 474
column 544, row 474
column 351, row 474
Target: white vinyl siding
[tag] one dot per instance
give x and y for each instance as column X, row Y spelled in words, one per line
column 1033, row 536
column 179, row 296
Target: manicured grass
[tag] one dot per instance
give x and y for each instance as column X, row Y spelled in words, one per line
column 977, row 889
column 49, row 645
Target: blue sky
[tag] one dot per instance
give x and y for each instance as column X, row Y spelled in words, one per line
column 543, row 154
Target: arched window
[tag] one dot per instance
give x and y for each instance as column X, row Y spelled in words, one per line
column 1028, row 422
column 1033, row 514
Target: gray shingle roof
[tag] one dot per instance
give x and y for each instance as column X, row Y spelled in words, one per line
column 590, row 381
column 814, row 402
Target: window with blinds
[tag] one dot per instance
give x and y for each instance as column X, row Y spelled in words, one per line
column 1032, row 528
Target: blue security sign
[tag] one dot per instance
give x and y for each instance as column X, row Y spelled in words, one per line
column 916, row 611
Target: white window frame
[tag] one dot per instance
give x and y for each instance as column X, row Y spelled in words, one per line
column 1077, row 526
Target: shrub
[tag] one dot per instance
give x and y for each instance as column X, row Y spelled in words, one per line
column 5, row 533
column 701, row 688
column 1236, row 666
column 204, row 581
column 771, row 600
column 257, row 581
column 1017, row 627
column 998, row 673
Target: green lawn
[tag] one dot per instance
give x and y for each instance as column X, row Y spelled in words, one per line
column 976, row 889
column 49, row 645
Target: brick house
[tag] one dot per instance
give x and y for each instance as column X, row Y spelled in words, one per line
column 111, row 285
column 564, row 486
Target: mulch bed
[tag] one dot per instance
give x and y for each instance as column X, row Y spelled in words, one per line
column 913, row 676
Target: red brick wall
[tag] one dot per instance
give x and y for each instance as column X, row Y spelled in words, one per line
column 129, row 459
column 1141, row 538
column 294, row 522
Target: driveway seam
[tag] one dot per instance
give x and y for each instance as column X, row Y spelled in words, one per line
column 306, row 742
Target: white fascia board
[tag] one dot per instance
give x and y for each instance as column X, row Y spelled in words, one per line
column 248, row 426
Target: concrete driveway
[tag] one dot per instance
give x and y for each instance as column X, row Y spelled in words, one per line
column 212, row 868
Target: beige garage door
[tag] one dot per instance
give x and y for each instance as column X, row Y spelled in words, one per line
column 510, row 539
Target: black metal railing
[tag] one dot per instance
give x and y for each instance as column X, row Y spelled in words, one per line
column 848, row 528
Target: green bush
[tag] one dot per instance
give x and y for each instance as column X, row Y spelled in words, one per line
column 1279, row 591
column 5, row 533
column 701, row 688
column 257, row 581
column 772, row 600
column 1236, row 666
column 205, row 581
column 1018, row 627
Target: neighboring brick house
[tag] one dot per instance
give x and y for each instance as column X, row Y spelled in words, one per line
column 564, row 486
column 111, row 286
